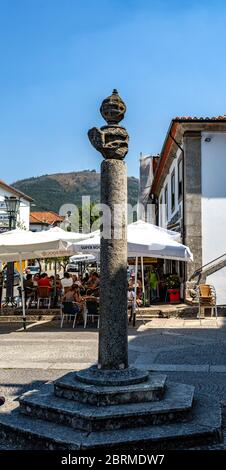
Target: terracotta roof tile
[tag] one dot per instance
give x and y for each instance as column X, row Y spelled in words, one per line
column 45, row 217
column 201, row 118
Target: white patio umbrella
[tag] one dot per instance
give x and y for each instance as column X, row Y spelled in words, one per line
column 64, row 235
column 90, row 245
column 18, row 245
column 147, row 240
column 151, row 241
column 144, row 240
column 82, row 257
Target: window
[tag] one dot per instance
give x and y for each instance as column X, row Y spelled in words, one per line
column 173, row 191
column 166, row 203
column 160, row 211
column 180, row 179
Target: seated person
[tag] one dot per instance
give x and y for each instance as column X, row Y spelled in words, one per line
column 58, row 285
column 44, row 281
column 77, row 281
column 36, row 279
column 94, row 283
column 67, row 281
column 29, row 286
column 131, row 282
column 28, row 281
column 131, row 298
column 85, row 279
column 72, row 301
column 74, row 278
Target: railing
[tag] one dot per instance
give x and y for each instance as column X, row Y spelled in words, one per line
column 210, row 267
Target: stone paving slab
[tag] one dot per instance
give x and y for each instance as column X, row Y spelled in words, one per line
column 218, row 368
column 211, row 354
column 173, row 367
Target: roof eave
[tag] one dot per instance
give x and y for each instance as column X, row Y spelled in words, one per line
column 15, row 191
column 177, row 124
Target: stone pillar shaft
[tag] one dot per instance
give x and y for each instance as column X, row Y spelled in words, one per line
column 113, row 342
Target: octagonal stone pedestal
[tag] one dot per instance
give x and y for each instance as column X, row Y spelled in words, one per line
column 73, row 414
column 75, row 386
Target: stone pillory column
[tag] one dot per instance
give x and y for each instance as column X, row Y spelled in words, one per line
column 113, row 406
column 112, row 142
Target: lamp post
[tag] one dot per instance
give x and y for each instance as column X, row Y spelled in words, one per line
column 12, row 208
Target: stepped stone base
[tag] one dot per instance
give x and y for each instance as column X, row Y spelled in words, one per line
column 43, row 405
column 202, row 427
column 104, row 377
column 150, row 414
column 72, row 388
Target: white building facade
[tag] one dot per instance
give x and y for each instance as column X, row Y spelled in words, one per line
column 24, row 208
column 190, row 191
column 170, row 204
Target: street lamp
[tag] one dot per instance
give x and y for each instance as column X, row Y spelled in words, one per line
column 12, row 207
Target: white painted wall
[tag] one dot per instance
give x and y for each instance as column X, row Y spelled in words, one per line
column 39, row 227
column 24, row 212
column 163, row 221
column 214, row 206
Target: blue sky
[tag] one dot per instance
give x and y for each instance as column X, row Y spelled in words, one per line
column 60, row 58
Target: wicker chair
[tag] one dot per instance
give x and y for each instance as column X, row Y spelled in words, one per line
column 207, row 299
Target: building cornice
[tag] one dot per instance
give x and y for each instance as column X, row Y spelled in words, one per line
column 177, row 129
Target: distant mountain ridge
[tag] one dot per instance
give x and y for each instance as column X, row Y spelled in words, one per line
column 50, row 192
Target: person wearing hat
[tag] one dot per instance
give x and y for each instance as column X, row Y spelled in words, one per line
column 131, row 281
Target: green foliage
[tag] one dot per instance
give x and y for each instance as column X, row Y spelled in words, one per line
column 50, row 192
column 172, row 281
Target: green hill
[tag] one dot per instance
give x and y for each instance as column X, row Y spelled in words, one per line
column 50, row 192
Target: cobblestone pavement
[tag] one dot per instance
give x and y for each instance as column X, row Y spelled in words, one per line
column 189, row 351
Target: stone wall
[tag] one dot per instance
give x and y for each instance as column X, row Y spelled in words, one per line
column 192, row 199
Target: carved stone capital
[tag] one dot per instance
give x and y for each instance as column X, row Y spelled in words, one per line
column 110, row 141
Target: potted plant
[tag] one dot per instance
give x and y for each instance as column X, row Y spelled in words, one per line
column 173, row 287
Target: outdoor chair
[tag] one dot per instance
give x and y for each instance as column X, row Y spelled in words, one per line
column 93, row 292
column 28, row 293
column 44, row 296
column 91, row 310
column 207, row 299
column 30, row 296
column 19, row 297
column 66, row 289
column 68, row 311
